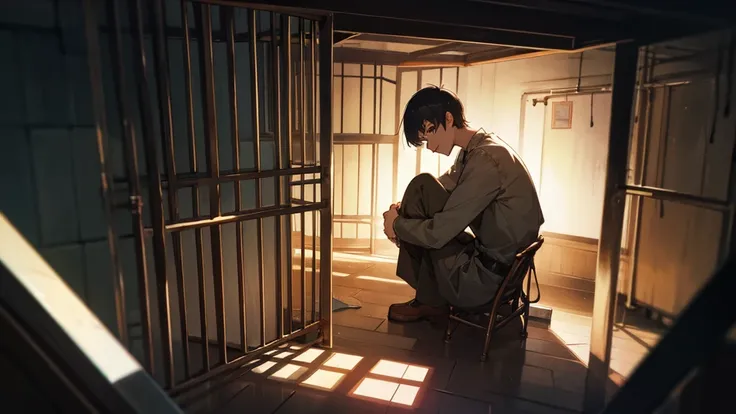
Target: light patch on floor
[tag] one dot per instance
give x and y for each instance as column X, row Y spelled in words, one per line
column 324, row 379
column 343, row 361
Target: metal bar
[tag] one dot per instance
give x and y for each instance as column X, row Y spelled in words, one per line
column 700, row 329
column 285, row 190
column 201, row 285
column 313, row 130
column 674, row 196
column 609, row 250
column 360, row 109
column 227, row 18
column 303, row 127
column 325, row 89
column 397, row 115
column 253, row 49
column 375, row 96
column 305, row 182
column 374, row 184
column 206, row 63
column 185, row 180
column 243, row 359
column 130, row 152
column 275, row 70
column 342, row 96
column 155, row 195
column 164, row 95
column 107, row 186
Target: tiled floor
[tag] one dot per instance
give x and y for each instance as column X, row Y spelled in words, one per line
column 538, row 375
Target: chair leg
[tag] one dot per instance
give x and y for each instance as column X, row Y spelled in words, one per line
column 450, row 329
column 527, row 305
column 489, row 334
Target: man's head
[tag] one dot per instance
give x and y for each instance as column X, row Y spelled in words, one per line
column 433, row 115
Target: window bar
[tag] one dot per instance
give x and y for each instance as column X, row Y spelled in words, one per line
column 380, row 104
column 164, row 95
column 326, row 56
column 155, row 194
column 342, row 97
column 277, row 191
column 375, row 96
column 252, row 29
column 360, row 107
column 397, row 123
column 374, row 184
column 285, row 117
column 201, row 284
column 313, row 131
column 106, row 182
column 227, row 18
column 204, row 15
column 303, row 127
column 357, row 188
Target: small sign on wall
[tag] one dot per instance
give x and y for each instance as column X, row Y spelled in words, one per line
column 562, row 115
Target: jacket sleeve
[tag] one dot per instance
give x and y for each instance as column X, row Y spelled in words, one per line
column 478, row 185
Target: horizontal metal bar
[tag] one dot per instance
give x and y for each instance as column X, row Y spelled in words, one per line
column 669, row 195
column 308, row 14
column 243, row 359
column 306, row 182
column 343, row 139
column 188, row 180
column 365, row 76
column 243, row 216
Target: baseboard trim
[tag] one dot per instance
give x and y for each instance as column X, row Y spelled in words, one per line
column 566, row 281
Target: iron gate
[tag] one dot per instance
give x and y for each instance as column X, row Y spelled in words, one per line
column 221, row 229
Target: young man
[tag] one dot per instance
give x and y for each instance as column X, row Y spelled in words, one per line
column 487, row 189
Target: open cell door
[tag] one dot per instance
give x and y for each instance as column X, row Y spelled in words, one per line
column 223, row 105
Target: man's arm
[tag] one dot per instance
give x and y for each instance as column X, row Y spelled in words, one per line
column 478, row 186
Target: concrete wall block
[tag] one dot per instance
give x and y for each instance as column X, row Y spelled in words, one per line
column 38, row 13
column 55, row 187
column 17, row 182
column 12, row 108
column 46, row 82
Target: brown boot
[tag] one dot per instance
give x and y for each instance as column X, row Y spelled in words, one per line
column 413, row 311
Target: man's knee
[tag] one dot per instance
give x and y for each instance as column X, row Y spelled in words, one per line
column 423, row 180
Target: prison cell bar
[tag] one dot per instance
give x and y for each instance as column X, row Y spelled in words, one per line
column 326, row 38
column 227, row 18
column 163, row 83
column 201, row 283
column 313, row 118
column 203, row 12
column 303, row 127
column 276, row 81
column 609, row 251
column 156, row 209
column 190, row 180
column 285, row 190
column 91, row 30
column 131, row 163
column 255, row 110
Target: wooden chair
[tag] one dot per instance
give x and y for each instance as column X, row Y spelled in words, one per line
column 510, row 293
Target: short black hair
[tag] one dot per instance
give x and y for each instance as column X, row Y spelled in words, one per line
column 430, row 104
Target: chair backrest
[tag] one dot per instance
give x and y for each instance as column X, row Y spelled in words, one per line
column 520, row 267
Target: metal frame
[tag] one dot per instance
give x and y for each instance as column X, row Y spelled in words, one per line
column 609, row 244
column 280, row 111
column 360, row 139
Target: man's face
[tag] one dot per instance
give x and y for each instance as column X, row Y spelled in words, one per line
column 439, row 139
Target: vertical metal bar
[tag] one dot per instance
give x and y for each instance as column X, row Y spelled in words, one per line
column 609, row 248
column 360, row 105
column 325, row 135
column 201, row 285
column 130, row 154
column 375, row 93
column 285, row 117
column 164, row 95
column 313, row 116
column 342, row 96
column 374, row 184
column 277, row 137
column 155, row 195
column 106, row 183
column 254, row 104
column 420, row 150
column 380, row 101
column 397, row 114
column 228, row 20
column 357, row 188
column 206, row 62
column 303, row 128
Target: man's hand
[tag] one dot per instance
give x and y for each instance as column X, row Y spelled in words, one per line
column 388, row 222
